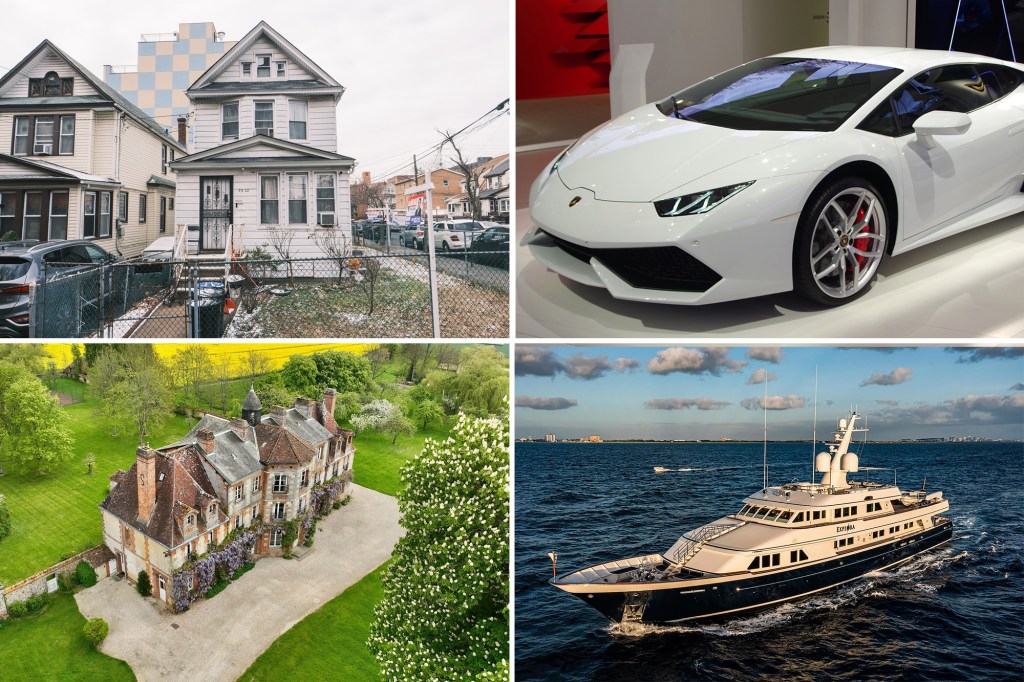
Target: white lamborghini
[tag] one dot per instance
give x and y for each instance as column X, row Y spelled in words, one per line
column 800, row 171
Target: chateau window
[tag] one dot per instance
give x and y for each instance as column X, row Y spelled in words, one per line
column 212, row 509
column 256, row 484
column 302, row 504
column 305, row 478
column 334, row 472
column 209, row 539
column 238, row 492
column 255, row 512
column 279, row 510
column 280, row 483
column 190, row 519
column 275, row 537
column 238, row 521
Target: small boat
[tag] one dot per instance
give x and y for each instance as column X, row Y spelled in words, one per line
column 785, row 542
column 660, row 470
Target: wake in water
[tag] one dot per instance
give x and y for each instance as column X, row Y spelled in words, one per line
column 665, row 470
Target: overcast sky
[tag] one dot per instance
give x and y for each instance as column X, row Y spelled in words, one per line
column 409, row 67
column 708, row 392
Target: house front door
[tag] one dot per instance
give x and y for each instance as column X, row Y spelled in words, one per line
column 163, row 589
column 214, row 212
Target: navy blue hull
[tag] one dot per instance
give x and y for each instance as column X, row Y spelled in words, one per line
column 745, row 594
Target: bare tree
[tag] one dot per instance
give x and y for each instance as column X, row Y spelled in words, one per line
column 371, row 272
column 281, row 239
column 335, row 244
column 222, row 374
column 373, row 195
column 379, row 358
column 191, row 366
column 472, row 173
column 257, row 363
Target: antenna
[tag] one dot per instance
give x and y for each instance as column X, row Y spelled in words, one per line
column 814, row 432
column 764, row 405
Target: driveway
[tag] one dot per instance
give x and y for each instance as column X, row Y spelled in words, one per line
column 220, row 638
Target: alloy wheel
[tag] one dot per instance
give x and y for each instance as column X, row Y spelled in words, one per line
column 848, row 242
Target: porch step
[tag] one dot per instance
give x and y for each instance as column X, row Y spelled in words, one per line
column 301, row 552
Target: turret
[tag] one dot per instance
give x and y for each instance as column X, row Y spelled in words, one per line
column 252, row 409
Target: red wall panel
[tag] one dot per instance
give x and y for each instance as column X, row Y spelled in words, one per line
column 561, row 48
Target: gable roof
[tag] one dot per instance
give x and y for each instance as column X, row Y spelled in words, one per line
column 499, row 169
column 223, row 153
column 205, row 83
column 106, row 92
column 280, row 446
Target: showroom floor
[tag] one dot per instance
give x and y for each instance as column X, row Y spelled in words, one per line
column 965, row 286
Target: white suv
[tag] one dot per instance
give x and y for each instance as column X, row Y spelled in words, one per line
column 452, row 235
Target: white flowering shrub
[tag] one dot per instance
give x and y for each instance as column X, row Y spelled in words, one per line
column 445, row 612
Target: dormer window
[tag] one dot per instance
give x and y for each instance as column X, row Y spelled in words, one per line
column 212, row 509
column 263, row 66
column 190, row 520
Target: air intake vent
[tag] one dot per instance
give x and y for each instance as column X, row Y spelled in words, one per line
column 1022, row 188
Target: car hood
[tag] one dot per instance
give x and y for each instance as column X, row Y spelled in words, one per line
column 644, row 155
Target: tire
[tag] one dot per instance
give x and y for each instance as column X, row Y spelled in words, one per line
column 445, row 247
column 841, row 239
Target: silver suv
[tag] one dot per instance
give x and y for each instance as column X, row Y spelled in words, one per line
column 23, row 263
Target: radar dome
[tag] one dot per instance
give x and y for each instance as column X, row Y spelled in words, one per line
column 849, row 462
column 822, row 462
column 842, row 424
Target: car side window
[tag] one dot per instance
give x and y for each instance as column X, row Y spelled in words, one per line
column 956, row 87
column 74, row 255
column 96, row 254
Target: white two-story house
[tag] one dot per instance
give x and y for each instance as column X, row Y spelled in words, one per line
column 78, row 160
column 265, row 140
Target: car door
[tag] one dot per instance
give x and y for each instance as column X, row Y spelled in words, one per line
column 961, row 172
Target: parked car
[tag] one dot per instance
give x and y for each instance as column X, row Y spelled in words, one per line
column 452, row 235
column 412, row 237
column 484, row 247
column 22, row 264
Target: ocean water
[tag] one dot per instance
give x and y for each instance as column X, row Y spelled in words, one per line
column 956, row 613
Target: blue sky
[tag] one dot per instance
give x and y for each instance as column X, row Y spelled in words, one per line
column 715, row 392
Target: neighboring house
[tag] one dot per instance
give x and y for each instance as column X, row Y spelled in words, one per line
column 166, row 65
column 445, row 184
column 265, row 149
column 257, row 472
column 492, row 191
column 82, row 161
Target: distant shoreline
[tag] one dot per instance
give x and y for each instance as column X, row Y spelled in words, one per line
column 739, row 442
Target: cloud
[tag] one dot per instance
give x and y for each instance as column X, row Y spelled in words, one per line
column 536, row 361
column 772, row 354
column 712, row 360
column 774, row 402
column 971, row 355
column 685, row 403
column 879, row 349
column 758, row 376
column 897, row 376
column 586, row 367
column 970, row 410
column 1017, row 387
column 830, row 402
column 626, row 365
column 890, row 403
column 540, row 403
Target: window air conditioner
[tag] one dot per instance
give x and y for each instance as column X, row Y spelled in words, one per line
column 44, row 149
column 325, row 219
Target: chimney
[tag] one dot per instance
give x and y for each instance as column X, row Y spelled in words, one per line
column 145, row 478
column 302, row 406
column 182, row 131
column 366, row 177
column 329, row 396
column 205, row 439
column 278, row 411
column 240, row 427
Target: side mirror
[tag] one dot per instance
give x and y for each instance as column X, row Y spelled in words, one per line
column 940, row 123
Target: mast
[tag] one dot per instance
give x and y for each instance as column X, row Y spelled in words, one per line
column 814, row 430
column 764, row 406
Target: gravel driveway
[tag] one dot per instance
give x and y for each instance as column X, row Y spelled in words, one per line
column 219, row 639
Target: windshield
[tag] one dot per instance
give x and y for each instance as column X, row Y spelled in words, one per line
column 781, row 93
column 13, row 268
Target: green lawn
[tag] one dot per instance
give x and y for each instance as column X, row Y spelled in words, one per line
column 51, row 646
column 328, row 644
column 378, row 463
column 56, row 516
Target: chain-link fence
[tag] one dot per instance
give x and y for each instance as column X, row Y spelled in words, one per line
column 364, row 294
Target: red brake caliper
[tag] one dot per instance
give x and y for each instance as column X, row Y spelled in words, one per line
column 862, row 243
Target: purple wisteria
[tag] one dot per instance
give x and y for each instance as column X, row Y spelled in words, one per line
column 192, row 581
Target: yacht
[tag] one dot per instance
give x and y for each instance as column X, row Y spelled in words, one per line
column 786, row 542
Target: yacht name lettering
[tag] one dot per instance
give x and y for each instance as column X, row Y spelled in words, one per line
column 840, row 529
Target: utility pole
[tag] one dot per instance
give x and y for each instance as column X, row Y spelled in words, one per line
column 415, row 171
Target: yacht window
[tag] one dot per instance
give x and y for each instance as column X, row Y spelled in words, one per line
column 803, row 556
column 773, row 515
column 819, row 514
column 799, row 518
column 744, row 510
column 761, row 512
column 786, row 516
column 853, row 510
column 754, row 564
column 775, row 559
column 792, row 556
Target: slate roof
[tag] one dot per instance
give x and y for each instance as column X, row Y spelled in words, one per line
column 232, row 457
column 252, row 401
column 498, row 169
column 278, row 446
column 182, row 485
column 308, row 430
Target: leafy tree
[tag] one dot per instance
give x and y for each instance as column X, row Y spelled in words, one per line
column 144, row 587
column 191, row 368
column 346, row 405
column 77, row 361
column 257, row 363
column 378, row 359
column 89, row 462
column 300, row 375
column 85, row 574
column 342, row 371
column 445, row 612
column 385, row 417
column 96, row 630
column 34, row 432
column 5, row 518
column 131, row 382
column 31, row 356
column 481, row 385
column 273, row 393
column 427, row 411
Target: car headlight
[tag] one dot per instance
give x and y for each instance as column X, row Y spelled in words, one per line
column 560, row 157
column 699, row 202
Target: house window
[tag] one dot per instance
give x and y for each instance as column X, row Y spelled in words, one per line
column 280, row 69
column 229, row 121
column 21, row 128
column 170, row 203
column 89, row 214
column 297, row 199
column 268, row 200
column 275, row 537
column 238, row 521
column 67, row 135
column 58, row 215
column 163, row 214
column 305, row 478
column 44, row 135
column 444, row 183
column 122, row 207
column 51, row 85
column 33, row 215
column 297, row 110
column 190, row 519
column 256, row 484
column 104, row 222
column 280, row 483
column 254, row 514
column 263, row 66
column 324, row 195
column 264, row 118
column 209, row 539
column 142, row 208
column 163, row 159
column 246, row 69
column 302, row 504
column 279, row 510
column 8, row 220
column 334, row 471
column 212, row 509
column 238, row 492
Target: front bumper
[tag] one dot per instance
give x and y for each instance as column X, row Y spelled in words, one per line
column 740, row 249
